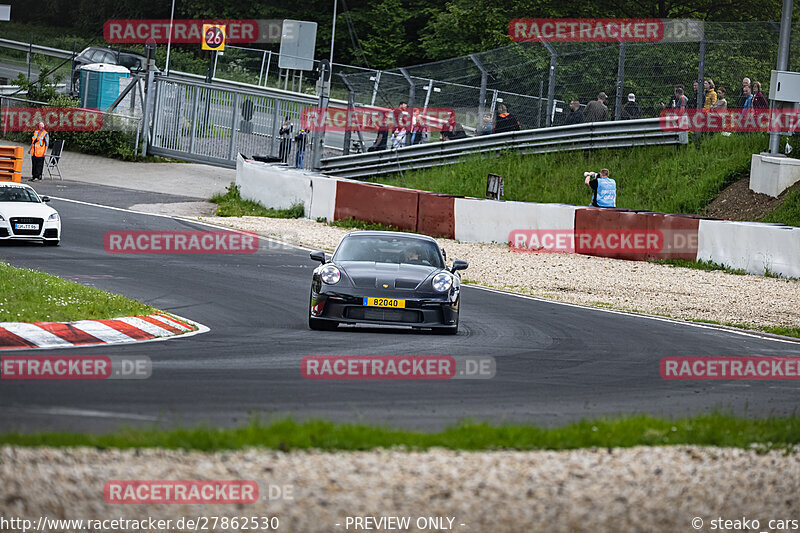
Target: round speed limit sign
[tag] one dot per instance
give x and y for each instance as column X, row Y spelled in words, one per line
column 213, row 37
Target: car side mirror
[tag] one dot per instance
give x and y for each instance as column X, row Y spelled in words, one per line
column 458, row 264
column 45, row 198
column 319, row 255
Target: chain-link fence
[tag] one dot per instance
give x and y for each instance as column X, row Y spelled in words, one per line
column 536, row 81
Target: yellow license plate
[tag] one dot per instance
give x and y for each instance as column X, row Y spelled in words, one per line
column 384, row 302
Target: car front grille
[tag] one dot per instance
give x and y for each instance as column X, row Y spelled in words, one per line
column 26, row 220
column 383, row 315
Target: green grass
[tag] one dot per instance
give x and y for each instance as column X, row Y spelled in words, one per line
column 362, row 225
column 31, row 296
column 714, row 429
column 701, row 265
column 670, row 179
column 789, row 211
column 231, row 204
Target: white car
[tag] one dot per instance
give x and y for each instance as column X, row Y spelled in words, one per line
column 24, row 215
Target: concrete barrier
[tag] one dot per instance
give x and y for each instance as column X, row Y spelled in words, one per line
column 377, row 203
column 271, row 185
column 435, row 215
column 750, row 246
column 680, row 236
column 323, row 198
column 593, row 219
column 491, row 221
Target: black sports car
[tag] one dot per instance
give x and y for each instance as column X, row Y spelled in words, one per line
column 388, row 278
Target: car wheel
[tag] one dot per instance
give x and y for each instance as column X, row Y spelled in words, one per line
column 321, row 325
column 52, row 243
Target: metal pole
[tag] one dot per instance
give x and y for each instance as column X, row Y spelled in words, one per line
column 551, row 85
column 214, row 72
column 351, row 99
column 411, row 88
column 494, row 102
column 333, row 36
column 620, row 81
column 261, row 73
column 539, row 111
column 783, row 62
column 30, row 56
column 701, row 72
column 484, row 80
column 169, row 37
column 319, row 139
column 266, row 74
column 375, row 87
column 428, row 96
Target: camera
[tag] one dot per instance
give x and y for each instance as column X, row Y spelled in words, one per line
column 587, row 174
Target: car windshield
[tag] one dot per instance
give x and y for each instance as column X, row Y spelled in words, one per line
column 389, row 249
column 17, row 194
column 130, row 62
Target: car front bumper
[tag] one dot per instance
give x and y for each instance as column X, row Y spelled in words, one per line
column 346, row 306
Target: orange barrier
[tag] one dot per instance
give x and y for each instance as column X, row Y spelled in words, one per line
column 436, row 215
column 594, row 219
column 11, row 163
column 377, row 204
column 681, row 236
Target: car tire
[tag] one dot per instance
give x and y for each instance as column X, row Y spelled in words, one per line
column 52, row 243
column 321, row 325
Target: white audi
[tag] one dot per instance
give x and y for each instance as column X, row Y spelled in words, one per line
column 24, row 215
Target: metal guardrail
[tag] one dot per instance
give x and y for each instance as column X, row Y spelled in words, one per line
column 620, row 134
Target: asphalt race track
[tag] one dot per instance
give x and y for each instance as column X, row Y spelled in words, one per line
column 555, row 363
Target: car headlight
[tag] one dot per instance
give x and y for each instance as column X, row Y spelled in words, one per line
column 54, row 216
column 330, row 274
column 442, row 282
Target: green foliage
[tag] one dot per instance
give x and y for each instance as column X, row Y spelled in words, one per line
column 715, row 429
column 670, row 179
column 231, row 204
column 701, row 265
column 30, row 296
column 362, row 225
column 789, row 211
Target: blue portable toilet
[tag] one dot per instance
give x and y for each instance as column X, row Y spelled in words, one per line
column 99, row 84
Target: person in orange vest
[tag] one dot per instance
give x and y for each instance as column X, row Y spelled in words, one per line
column 39, row 143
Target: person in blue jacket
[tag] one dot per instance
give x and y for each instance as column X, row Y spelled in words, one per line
column 604, row 189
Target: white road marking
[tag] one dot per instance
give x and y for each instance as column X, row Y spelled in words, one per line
column 101, row 331
column 146, row 326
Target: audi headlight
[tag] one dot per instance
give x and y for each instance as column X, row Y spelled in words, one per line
column 330, row 274
column 442, row 282
column 54, row 216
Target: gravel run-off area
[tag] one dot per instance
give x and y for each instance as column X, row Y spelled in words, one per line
column 643, row 489
column 638, row 286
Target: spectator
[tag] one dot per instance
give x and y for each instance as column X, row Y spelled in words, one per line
column 286, row 136
column 678, row 100
column 300, row 139
column 742, row 97
column 597, row 110
column 419, row 130
column 759, row 100
column 505, row 120
column 604, row 189
column 380, row 141
column 400, row 115
column 721, row 103
column 486, row 126
column 710, row 94
column 39, row 143
column 456, row 131
column 747, row 103
column 399, row 138
column 631, row 109
column 575, row 115
column 692, row 103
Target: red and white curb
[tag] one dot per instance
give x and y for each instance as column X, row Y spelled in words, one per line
column 124, row 330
